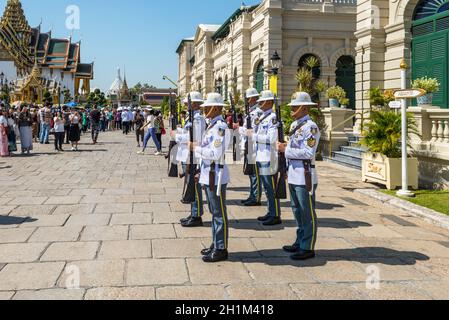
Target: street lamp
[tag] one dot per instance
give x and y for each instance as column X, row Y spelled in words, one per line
column 275, row 63
column 275, row 66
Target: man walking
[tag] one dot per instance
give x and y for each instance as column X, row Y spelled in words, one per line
column 45, row 118
column 95, row 118
column 125, row 121
column 300, row 153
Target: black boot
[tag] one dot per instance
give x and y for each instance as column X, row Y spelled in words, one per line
column 183, row 220
column 302, row 255
column 291, row 249
column 208, row 251
column 216, row 256
column 193, row 223
column 273, row 222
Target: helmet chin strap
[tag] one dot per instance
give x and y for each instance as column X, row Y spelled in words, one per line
column 298, row 114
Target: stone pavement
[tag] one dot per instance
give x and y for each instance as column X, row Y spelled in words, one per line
column 107, row 219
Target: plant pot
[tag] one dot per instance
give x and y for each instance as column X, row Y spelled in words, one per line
column 425, row 100
column 333, row 103
column 344, row 106
column 388, row 171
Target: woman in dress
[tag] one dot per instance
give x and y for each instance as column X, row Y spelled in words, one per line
column 74, row 131
column 26, row 132
column 3, row 135
column 35, row 124
column 12, row 128
column 140, row 134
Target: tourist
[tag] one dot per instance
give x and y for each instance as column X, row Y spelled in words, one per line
column 84, row 121
column 151, row 133
column 95, row 118
column 45, row 121
column 4, row 145
column 26, row 132
column 59, row 131
column 34, row 124
column 12, row 132
column 125, row 121
column 111, row 120
column 66, row 115
column 139, row 123
column 74, row 132
column 118, row 119
column 159, row 127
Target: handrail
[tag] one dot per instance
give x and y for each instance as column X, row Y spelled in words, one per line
column 361, row 114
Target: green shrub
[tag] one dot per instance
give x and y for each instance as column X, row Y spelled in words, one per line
column 383, row 132
column 336, row 92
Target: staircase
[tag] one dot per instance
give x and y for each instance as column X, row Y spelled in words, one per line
column 350, row 155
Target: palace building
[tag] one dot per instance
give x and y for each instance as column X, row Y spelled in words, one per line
column 236, row 53
column 33, row 62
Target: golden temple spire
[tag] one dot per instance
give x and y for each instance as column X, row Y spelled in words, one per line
column 15, row 16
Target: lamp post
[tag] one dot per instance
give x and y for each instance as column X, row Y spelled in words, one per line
column 275, row 66
column 404, row 192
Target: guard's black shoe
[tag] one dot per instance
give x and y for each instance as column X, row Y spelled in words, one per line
column 302, row 255
column 273, row 222
column 193, row 223
column 183, row 220
column 252, row 204
column 291, row 249
column 245, row 201
column 216, row 256
column 264, row 218
column 208, row 251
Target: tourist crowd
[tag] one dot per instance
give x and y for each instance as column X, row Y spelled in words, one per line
column 29, row 124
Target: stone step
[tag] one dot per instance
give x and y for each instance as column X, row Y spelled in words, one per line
column 343, row 163
column 352, row 160
column 354, row 144
column 353, row 150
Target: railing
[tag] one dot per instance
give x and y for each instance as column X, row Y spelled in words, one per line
column 353, row 117
column 440, row 130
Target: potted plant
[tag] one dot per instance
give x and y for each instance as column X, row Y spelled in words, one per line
column 335, row 94
column 430, row 85
column 382, row 162
column 344, row 102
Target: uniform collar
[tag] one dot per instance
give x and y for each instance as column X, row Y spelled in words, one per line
column 266, row 113
column 254, row 107
column 215, row 120
column 304, row 119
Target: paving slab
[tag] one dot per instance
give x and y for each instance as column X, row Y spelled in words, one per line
column 93, row 274
column 129, row 249
column 212, row 292
column 137, row 293
column 21, row 252
column 71, row 251
column 150, row 272
column 50, row 295
column 105, row 233
column 54, row 234
column 147, row 232
column 30, row 276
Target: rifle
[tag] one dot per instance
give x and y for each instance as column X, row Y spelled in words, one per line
column 281, row 186
column 188, row 195
column 172, row 167
column 248, row 169
column 234, row 120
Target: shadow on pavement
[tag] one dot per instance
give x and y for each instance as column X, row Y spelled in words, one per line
column 253, row 224
column 368, row 255
column 8, row 221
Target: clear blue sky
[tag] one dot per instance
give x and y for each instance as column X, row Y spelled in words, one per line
column 140, row 34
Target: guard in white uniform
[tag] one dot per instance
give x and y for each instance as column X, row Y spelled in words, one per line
column 182, row 139
column 214, row 176
column 300, row 153
column 265, row 135
column 254, row 200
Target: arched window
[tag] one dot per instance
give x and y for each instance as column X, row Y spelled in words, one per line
column 430, row 53
column 346, row 77
column 259, row 77
column 303, row 63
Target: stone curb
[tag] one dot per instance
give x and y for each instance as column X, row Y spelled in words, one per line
column 428, row 215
